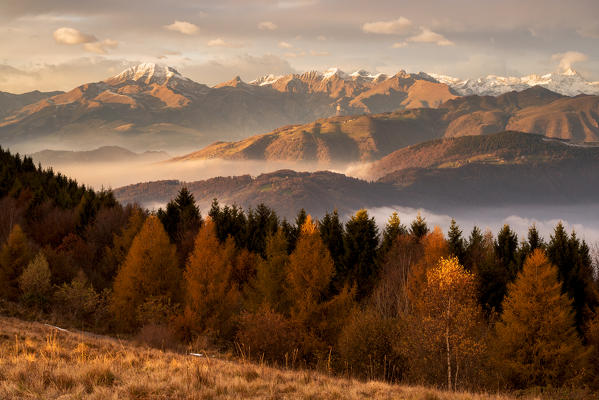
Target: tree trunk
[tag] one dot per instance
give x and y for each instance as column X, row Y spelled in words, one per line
column 447, row 346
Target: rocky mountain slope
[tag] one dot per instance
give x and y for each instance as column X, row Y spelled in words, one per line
column 151, row 106
column 370, row 137
column 10, row 103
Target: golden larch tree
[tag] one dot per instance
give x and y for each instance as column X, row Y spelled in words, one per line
column 537, row 343
column 149, row 274
column 212, row 298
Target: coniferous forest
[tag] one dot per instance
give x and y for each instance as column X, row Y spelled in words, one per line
column 479, row 310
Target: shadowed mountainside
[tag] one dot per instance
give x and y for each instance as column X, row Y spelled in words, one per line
column 370, row 137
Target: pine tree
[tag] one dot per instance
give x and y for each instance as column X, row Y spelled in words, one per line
column 361, row 266
column 393, row 229
column 455, row 242
column 268, row 287
column 150, row 272
column 15, row 254
column 418, row 228
column 211, row 296
column 331, row 233
column 575, row 271
column 537, row 343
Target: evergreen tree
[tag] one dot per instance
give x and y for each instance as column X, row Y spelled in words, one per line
column 474, row 250
column 360, row 266
column 181, row 221
column 393, row 229
column 537, row 343
column 455, row 242
column 15, row 254
column 229, row 221
column 575, row 271
column 418, row 228
column 150, row 273
column 261, row 223
column 268, row 287
column 331, row 233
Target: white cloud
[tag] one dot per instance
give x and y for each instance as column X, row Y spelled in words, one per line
column 72, row 36
column 184, row 27
column 568, row 59
column 399, row 26
column 267, row 26
column 319, row 53
column 101, row 47
column 428, row 36
column 398, row 45
column 285, row 45
column 220, row 42
column 295, row 54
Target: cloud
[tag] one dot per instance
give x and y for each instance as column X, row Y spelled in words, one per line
column 589, row 32
column 322, row 38
column 398, row 26
column 428, row 36
column 72, row 36
column 184, row 27
column 267, row 26
column 319, row 53
column 285, row 45
column 398, row 45
column 101, row 47
column 295, row 54
column 220, row 42
column 568, row 59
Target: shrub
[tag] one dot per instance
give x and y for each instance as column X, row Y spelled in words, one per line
column 34, row 282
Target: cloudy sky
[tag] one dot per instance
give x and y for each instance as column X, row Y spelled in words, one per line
column 58, row 44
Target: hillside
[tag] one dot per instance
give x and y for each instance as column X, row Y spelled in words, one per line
column 105, row 154
column 370, row 137
column 9, row 102
column 442, row 174
column 151, row 106
column 494, row 149
column 38, row 360
column 286, row 191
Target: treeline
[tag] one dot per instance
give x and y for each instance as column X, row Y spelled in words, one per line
column 407, row 303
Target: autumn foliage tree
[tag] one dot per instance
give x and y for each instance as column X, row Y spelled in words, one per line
column 149, row 274
column 444, row 328
column 536, row 339
column 212, row 298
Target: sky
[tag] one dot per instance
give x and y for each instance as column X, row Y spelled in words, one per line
column 59, row 44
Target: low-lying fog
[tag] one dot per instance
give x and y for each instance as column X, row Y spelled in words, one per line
column 583, row 219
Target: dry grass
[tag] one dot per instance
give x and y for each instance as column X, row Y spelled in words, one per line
column 40, row 362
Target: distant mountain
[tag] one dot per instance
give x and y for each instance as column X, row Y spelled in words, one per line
column 504, row 169
column 9, row 102
column 152, row 106
column 569, row 83
column 105, row 154
column 370, row 137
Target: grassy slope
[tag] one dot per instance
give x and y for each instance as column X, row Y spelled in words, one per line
column 38, row 361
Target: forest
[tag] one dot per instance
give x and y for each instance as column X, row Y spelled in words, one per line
column 407, row 303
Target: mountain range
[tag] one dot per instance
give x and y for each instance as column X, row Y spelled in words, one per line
column 370, row 137
column 502, row 169
column 150, row 106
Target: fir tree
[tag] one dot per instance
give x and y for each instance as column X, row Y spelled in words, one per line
column 455, row 242
column 418, row 228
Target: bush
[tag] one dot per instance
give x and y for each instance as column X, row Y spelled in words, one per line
column 366, row 346
column 267, row 335
column 77, row 299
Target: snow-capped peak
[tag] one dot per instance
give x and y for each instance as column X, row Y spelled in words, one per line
column 329, row 73
column 568, row 82
column 266, row 80
column 147, row 73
